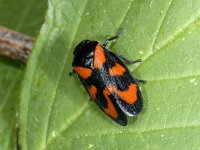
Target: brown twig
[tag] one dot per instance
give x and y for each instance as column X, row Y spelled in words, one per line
column 15, row 45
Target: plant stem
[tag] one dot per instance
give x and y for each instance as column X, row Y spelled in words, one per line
column 15, row 45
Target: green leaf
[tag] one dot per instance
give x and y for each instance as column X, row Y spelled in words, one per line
column 10, row 78
column 55, row 110
column 25, row 17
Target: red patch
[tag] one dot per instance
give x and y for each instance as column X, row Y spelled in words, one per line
column 83, row 72
column 129, row 95
column 93, row 91
column 99, row 57
column 110, row 110
column 117, row 70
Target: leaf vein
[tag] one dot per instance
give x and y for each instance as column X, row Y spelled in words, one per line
column 145, row 141
column 27, row 9
column 159, row 27
column 179, row 78
column 128, row 9
column 139, row 132
column 170, row 40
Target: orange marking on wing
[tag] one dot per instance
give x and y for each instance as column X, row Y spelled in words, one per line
column 110, row 110
column 129, row 96
column 117, row 70
column 83, row 72
column 93, row 91
column 99, row 57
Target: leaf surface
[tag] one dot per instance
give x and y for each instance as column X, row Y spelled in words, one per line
column 55, row 110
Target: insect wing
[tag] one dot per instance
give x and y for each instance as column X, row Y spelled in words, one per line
column 105, row 101
column 123, row 86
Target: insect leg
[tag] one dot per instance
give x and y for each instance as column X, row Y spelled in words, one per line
column 113, row 38
column 127, row 60
column 109, row 40
column 140, row 81
column 72, row 72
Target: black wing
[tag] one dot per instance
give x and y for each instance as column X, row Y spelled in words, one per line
column 104, row 99
column 123, row 83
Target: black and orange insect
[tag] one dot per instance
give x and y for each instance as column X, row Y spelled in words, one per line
column 107, row 80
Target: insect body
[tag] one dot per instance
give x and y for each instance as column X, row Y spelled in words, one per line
column 107, row 80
